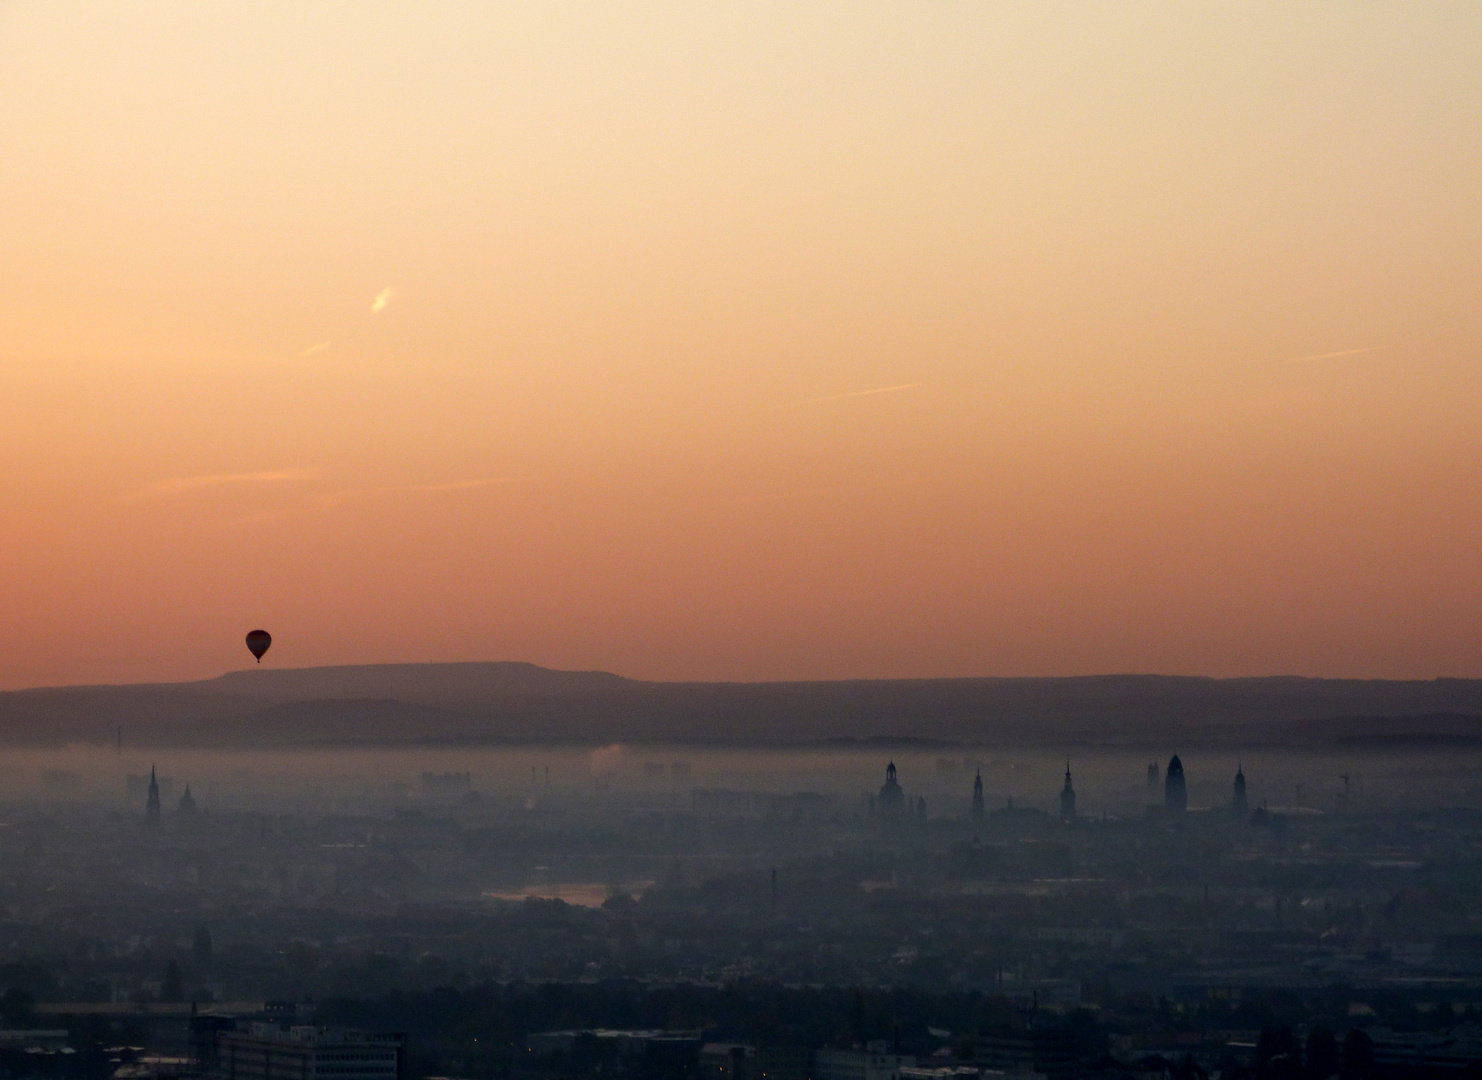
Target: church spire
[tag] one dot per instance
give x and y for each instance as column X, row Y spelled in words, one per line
column 152, row 804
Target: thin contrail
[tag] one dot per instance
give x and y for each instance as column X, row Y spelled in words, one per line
column 852, row 394
column 312, row 349
column 1332, row 355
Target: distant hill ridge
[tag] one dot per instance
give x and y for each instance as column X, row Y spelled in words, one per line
column 508, row 701
column 426, row 683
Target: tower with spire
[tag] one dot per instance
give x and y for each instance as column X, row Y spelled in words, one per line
column 1067, row 798
column 978, row 801
column 187, row 802
column 892, row 798
column 152, row 803
column 1239, row 806
column 1175, row 793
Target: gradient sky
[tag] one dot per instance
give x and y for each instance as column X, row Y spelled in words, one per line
column 741, row 340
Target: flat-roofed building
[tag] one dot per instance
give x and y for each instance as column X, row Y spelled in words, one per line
column 871, row 1063
column 784, row 1062
column 1047, row 1051
column 269, row 1052
column 727, row 1061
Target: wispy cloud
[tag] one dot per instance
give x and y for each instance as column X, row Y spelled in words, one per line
column 184, row 484
column 312, row 349
column 339, row 497
column 885, row 483
column 382, row 299
column 851, row 394
column 1335, row 355
column 465, row 485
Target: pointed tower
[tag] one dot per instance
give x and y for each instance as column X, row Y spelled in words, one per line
column 1238, row 804
column 187, row 802
column 892, row 798
column 1175, row 794
column 152, row 805
column 978, row 801
column 1067, row 798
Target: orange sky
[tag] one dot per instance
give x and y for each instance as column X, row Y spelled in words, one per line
column 1173, row 312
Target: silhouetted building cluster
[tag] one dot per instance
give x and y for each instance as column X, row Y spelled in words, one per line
column 1173, row 925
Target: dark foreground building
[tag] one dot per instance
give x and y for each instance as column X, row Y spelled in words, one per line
column 1047, row 1051
column 268, row 1052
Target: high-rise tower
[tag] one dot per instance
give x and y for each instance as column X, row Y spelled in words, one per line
column 1175, row 794
column 1238, row 804
column 1067, row 798
column 978, row 800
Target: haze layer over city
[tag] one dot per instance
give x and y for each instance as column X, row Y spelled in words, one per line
column 713, row 541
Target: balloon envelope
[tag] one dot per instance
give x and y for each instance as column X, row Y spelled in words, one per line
column 258, row 641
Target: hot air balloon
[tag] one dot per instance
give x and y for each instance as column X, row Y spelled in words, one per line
column 258, row 641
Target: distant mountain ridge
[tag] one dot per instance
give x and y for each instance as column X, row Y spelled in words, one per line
column 508, row 701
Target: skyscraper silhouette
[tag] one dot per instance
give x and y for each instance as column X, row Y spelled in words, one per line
column 1238, row 804
column 978, row 801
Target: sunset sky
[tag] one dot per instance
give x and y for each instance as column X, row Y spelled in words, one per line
column 737, row 340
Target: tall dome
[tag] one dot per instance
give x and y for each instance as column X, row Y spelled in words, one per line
column 1175, row 794
column 892, row 798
